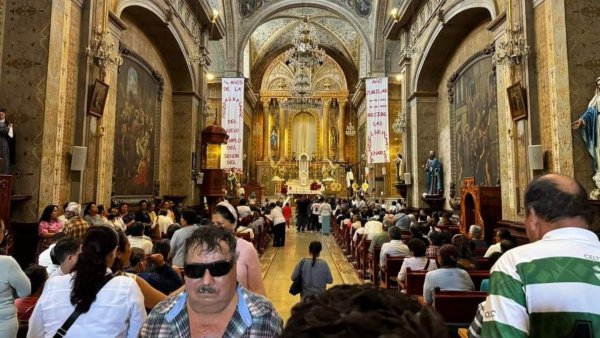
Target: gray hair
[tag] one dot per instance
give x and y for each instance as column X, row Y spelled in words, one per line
column 74, row 207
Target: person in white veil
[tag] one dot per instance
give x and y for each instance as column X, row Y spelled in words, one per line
column 590, row 127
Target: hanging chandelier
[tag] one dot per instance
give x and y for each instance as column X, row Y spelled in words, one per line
column 301, row 104
column 301, row 86
column 305, row 50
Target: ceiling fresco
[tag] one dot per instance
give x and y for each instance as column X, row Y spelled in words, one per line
column 363, row 8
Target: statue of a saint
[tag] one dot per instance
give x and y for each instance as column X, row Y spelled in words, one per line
column 400, row 168
column 433, row 168
column 6, row 142
column 333, row 138
column 591, row 127
column 274, row 139
column 241, row 192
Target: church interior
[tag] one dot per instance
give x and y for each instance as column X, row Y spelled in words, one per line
column 118, row 101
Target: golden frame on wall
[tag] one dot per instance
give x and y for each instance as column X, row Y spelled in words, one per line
column 99, row 95
column 516, row 101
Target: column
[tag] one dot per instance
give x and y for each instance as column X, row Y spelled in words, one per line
column 185, row 111
column 341, row 129
column 282, row 147
column 325, row 129
column 266, row 128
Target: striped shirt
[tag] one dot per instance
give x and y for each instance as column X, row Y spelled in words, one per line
column 542, row 289
column 254, row 317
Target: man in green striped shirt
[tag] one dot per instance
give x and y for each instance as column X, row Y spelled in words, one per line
column 550, row 287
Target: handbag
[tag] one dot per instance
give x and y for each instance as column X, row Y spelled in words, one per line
column 296, row 286
column 62, row 331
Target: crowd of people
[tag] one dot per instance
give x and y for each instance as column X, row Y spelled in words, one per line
column 107, row 272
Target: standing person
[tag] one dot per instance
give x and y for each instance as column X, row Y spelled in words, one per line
column 315, row 273
column 247, row 264
column 301, row 212
column 550, row 287
column 325, row 216
column 214, row 304
column 12, row 279
column 6, row 142
column 287, row 214
column 276, row 216
column 48, row 227
column 315, row 212
column 108, row 306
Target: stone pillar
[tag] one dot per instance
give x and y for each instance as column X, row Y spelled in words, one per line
column 325, row 128
column 266, row 128
column 185, row 112
column 341, row 129
column 282, row 147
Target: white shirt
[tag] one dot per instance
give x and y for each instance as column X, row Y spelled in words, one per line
column 493, row 248
column 415, row 264
column 141, row 242
column 117, row 312
column 44, row 259
column 359, row 231
column 394, row 248
column 276, row 216
column 243, row 211
column 372, row 228
column 325, row 209
column 163, row 223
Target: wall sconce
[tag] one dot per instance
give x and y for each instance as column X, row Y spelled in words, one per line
column 395, row 14
column 215, row 16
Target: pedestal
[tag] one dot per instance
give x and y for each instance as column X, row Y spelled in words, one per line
column 401, row 189
column 435, row 203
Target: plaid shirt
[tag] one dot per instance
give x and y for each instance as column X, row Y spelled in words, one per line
column 432, row 252
column 76, row 227
column 254, row 317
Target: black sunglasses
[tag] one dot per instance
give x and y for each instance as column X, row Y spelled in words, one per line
column 216, row 269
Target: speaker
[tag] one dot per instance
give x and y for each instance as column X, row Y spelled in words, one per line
column 383, row 171
column 200, row 178
column 536, row 157
column 407, row 179
column 78, row 160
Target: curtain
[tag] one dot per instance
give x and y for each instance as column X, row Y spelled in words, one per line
column 304, row 134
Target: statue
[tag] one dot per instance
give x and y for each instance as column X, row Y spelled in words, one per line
column 400, row 167
column 433, row 168
column 274, row 139
column 333, row 138
column 6, row 142
column 589, row 122
column 293, row 156
column 231, row 182
column 241, row 192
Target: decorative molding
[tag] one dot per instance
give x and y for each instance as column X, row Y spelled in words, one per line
column 124, row 50
column 486, row 52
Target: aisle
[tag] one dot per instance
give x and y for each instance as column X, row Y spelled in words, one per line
column 279, row 269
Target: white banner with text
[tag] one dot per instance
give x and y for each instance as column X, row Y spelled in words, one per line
column 232, row 120
column 378, row 138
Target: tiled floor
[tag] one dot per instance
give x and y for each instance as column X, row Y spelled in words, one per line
column 278, row 276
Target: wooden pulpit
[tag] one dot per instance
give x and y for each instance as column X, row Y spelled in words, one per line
column 5, row 195
column 481, row 206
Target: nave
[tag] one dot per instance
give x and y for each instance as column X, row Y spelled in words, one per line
column 277, row 265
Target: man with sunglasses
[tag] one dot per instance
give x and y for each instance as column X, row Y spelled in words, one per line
column 213, row 304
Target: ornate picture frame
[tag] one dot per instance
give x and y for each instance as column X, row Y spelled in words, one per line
column 98, row 99
column 516, row 101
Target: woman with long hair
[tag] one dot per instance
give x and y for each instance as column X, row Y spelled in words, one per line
column 315, row 272
column 108, row 306
column 49, row 226
column 248, row 266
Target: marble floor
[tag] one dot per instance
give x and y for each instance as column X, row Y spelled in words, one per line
column 277, row 272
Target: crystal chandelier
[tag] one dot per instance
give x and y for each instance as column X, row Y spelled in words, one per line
column 511, row 50
column 102, row 51
column 301, row 104
column 305, row 51
column 350, row 130
column 301, row 85
column 399, row 125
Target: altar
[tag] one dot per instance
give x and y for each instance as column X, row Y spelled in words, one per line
column 295, row 187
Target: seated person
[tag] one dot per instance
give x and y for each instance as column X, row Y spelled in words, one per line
column 475, row 237
column 500, row 235
column 163, row 221
column 44, row 257
column 416, row 261
column 243, row 227
column 448, row 277
column 37, row 276
column 154, row 269
column 171, row 230
column 381, row 238
column 465, row 255
column 137, row 239
column 64, row 256
column 395, row 247
column 341, row 312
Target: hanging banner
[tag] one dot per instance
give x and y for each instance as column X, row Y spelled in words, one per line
column 232, row 120
column 378, row 138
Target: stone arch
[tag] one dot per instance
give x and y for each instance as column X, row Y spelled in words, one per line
column 459, row 20
column 172, row 47
column 280, row 6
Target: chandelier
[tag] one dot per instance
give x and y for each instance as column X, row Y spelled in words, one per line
column 399, row 125
column 301, row 104
column 301, row 85
column 305, row 51
column 511, row 50
column 102, row 51
column 350, row 130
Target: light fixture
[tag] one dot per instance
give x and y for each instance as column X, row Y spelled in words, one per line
column 297, row 104
column 301, row 86
column 395, row 14
column 399, row 125
column 305, row 50
column 101, row 50
column 215, row 16
column 512, row 50
column 350, row 130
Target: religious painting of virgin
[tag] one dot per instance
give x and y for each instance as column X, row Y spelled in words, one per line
column 99, row 94
column 474, row 127
column 362, row 7
column 247, row 7
column 137, row 111
column 516, row 102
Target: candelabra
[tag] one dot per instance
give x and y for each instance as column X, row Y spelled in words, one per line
column 101, row 50
column 399, row 125
column 512, row 50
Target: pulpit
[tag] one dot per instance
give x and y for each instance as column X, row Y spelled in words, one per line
column 5, row 192
column 481, row 206
column 213, row 178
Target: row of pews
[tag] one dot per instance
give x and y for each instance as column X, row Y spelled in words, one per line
column 458, row 308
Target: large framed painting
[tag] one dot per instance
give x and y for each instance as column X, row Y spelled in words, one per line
column 137, row 122
column 474, row 127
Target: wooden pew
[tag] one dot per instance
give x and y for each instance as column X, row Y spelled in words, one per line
column 363, row 256
column 414, row 282
column 355, row 248
column 390, row 276
column 374, row 265
column 483, row 263
column 477, row 276
column 457, row 307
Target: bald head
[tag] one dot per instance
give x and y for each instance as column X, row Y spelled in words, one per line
column 556, row 197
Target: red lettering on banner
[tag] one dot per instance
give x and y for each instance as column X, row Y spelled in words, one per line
column 229, row 162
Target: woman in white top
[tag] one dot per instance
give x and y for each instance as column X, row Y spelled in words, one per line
column 11, row 278
column 109, row 306
column 417, row 261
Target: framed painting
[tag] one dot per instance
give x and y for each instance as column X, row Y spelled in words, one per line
column 99, row 95
column 516, row 101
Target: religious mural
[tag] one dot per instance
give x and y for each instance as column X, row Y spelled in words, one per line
column 474, row 112
column 362, row 7
column 247, row 7
column 137, row 105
